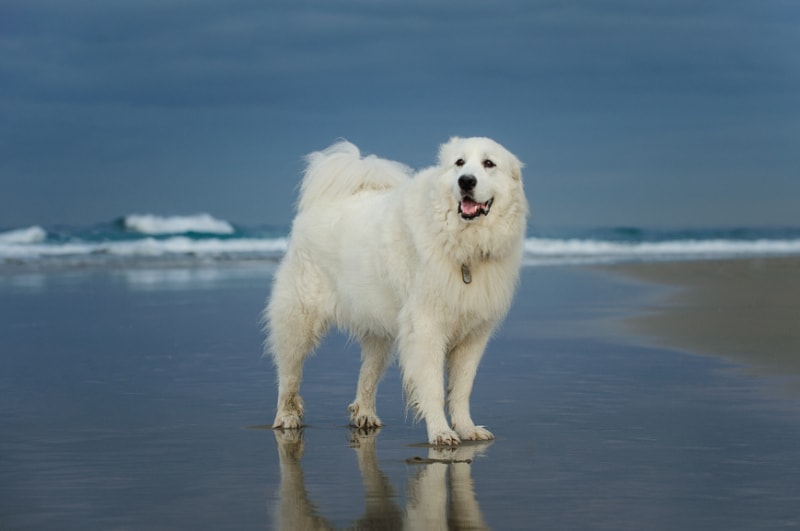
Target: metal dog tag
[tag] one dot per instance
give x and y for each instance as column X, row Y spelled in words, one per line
column 466, row 275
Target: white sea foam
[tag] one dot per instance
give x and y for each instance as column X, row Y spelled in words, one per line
column 148, row 248
column 180, row 245
column 43, row 250
column 155, row 225
column 33, row 234
column 30, row 246
column 598, row 250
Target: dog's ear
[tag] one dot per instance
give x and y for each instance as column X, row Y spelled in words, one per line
column 444, row 150
column 516, row 168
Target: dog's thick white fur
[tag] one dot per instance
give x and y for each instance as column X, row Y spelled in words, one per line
column 426, row 264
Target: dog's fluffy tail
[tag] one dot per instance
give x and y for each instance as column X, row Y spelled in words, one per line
column 339, row 172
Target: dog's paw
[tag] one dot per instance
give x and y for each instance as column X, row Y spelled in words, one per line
column 365, row 422
column 363, row 418
column 287, row 421
column 444, row 438
column 475, row 433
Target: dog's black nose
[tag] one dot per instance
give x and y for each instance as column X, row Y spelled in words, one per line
column 467, row 182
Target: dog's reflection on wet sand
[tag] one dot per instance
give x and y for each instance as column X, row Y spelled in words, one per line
column 445, row 473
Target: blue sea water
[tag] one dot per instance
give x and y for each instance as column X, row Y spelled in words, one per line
column 136, row 240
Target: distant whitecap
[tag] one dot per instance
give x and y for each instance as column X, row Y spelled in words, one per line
column 33, row 234
column 155, row 225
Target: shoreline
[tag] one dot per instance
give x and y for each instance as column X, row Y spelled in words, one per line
column 744, row 310
column 128, row 395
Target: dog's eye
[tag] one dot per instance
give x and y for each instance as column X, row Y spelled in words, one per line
column 460, row 162
column 488, row 164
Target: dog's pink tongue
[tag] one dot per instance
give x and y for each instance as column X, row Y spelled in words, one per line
column 469, row 207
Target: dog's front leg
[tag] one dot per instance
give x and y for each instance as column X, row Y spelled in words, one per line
column 462, row 365
column 421, row 346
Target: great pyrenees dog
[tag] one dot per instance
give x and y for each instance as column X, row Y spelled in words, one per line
column 425, row 264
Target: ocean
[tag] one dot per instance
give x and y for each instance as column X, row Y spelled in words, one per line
column 146, row 240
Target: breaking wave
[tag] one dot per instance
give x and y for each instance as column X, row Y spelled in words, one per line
column 22, row 236
column 197, row 224
column 145, row 239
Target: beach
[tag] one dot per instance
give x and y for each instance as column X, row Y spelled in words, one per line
column 633, row 396
column 746, row 310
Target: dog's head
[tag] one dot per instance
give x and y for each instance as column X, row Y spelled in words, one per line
column 482, row 174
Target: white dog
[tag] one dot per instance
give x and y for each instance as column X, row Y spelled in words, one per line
column 426, row 264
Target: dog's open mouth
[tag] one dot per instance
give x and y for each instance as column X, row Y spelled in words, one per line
column 471, row 209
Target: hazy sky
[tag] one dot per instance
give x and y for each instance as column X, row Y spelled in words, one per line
column 626, row 112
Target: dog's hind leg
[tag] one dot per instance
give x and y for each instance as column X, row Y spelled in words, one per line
column 376, row 355
column 296, row 320
column 462, row 365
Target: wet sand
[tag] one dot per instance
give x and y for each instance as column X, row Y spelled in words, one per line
column 138, row 400
column 746, row 310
